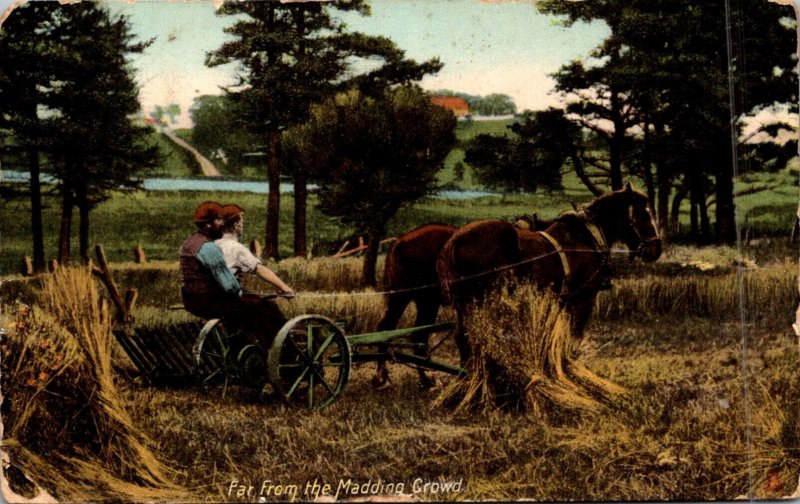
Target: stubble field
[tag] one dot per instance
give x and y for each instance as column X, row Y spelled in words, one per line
column 711, row 411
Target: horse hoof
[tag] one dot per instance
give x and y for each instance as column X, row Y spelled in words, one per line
column 379, row 382
column 428, row 383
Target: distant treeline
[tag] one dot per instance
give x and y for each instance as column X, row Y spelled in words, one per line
column 492, row 105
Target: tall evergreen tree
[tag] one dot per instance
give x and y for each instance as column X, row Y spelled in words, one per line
column 688, row 95
column 83, row 104
column 26, row 77
column 100, row 146
column 292, row 55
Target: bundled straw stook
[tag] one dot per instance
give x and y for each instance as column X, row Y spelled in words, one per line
column 65, row 424
column 522, row 359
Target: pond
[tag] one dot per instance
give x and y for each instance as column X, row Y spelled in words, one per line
column 215, row 184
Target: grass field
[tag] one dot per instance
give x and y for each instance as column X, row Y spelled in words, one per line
column 160, row 221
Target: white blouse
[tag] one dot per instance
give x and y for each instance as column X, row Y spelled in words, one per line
column 238, row 258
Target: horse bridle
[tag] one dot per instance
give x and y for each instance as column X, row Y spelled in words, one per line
column 643, row 242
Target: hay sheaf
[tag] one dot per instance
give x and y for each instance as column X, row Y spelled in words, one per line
column 65, row 423
column 522, row 359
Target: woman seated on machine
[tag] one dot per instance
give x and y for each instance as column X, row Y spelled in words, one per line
column 262, row 313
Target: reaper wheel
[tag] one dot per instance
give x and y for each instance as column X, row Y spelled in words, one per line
column 251, row 367
column 215, row 356
column 309, row 361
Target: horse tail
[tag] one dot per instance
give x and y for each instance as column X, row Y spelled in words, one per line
column 445, row 268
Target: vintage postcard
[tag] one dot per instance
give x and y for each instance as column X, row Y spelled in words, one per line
column 399, row 250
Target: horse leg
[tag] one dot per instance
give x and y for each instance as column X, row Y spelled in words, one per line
column 395, row 306
column 580, row 313
column 462, row 342
column 427, row 310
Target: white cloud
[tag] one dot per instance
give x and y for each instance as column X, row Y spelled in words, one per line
column 527, row 84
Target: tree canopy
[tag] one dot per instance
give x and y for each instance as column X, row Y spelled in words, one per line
column 530, row 159
column 292, row 55
column 668, row 90
column 374, row 155
column 78, row 112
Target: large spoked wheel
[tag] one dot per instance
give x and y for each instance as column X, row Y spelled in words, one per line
column 214, row 357
column 309, row 361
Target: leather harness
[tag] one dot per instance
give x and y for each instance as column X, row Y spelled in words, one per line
column 599, row 239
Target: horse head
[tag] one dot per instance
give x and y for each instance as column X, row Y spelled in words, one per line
column 624, row 215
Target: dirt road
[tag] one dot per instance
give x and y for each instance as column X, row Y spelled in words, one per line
column 208, row 168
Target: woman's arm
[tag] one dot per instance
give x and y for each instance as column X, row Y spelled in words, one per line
column 268, row 275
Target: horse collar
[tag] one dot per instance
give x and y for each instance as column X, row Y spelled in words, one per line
column 595, row 231
column 564, row 261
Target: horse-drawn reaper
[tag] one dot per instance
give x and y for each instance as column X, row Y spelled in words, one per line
column 310, row 357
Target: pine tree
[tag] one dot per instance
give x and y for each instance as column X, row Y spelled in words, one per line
column 84, row 104
column 293, row 55
column 674, row 72
column 25, row 80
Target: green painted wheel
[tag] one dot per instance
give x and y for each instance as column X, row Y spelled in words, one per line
column 215, row 364
column 309, row 361
column 251, row 367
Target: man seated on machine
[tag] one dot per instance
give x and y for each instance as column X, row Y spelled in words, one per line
column 210, row 290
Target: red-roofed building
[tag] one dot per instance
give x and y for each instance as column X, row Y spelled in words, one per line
column 457, row 105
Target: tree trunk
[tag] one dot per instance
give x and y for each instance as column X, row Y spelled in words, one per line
column 615, row 147
column 695, row 197
column 664, row 190
column 580, row 171
column 647, row 171
column 37, row 232
column 705, row 225
column 674, row 220
column 725, row 211
column 83, row 225
column 66, row 226
column 369, row 276
column 300, row 179
column 273, row 198
column 300, row 207
column 664, row 182
column 697, row 194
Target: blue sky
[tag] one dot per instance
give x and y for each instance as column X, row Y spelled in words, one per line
column 485, row 47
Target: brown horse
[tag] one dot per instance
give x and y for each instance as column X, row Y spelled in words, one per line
column 410, row 276
column 571, row 256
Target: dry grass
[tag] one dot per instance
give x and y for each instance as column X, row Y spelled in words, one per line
column 523, row 360
column 66, row 424
column 324, row 274
column 768, row 294
column 678, row 433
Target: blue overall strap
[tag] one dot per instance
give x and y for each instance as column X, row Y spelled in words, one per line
column 210, row 256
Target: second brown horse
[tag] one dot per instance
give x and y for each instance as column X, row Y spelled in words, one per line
column 570, row 256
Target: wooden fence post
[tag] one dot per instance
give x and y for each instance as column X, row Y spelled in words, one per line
column 27, row 266
column 104, row 274
column 255, row 247
column 138, row 255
